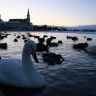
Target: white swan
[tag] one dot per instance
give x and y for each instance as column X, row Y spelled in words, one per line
column 21, row 73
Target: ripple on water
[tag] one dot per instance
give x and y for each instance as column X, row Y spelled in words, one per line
column 76, row 76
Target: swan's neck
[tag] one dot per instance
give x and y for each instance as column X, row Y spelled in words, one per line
column 26, row 61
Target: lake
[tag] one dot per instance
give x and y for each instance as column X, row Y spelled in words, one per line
column 76, row 76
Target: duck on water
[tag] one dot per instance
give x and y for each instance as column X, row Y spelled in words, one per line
column 19, row 77
column 52, row 58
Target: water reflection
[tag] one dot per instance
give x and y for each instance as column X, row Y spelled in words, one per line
column 8, row 90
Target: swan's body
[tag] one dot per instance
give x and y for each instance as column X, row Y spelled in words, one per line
column 21, row 73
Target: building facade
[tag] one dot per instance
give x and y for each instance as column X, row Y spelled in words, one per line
column 19, row 24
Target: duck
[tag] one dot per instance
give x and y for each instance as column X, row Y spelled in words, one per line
column 54, row 44
column 3, row 45
column 15, row 40
column 60, row 42
column 73, row 38
column 21, row 74
column 51, row 44
column 42, row 47
column 80, row 45
column 89, row 39
column 52, row 58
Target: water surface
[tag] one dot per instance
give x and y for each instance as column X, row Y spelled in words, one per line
column 76, row 76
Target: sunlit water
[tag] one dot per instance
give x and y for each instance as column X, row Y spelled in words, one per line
column 76, row 76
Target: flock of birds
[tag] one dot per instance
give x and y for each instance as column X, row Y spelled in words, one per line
column 26, row 80
column 83, row 46
column 45, row 43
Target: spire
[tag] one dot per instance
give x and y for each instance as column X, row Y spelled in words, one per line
column 28, row 17
column 28, row 12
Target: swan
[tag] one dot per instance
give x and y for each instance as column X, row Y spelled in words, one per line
column 21, row 73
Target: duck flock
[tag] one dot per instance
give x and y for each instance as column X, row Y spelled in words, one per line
column 45, row 43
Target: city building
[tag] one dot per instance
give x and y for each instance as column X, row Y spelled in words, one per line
column 17, row 24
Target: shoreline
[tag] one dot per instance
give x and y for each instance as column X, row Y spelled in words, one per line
column 78, row 32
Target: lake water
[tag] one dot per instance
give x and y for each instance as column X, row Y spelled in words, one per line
column 76, row 76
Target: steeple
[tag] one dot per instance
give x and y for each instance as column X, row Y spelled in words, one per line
column 28, row 13
column 28, row 17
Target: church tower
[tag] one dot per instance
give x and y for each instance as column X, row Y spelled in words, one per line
column 28, row 17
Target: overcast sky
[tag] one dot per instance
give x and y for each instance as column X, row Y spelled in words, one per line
column 51, row 12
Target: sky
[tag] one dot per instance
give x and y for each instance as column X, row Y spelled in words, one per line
column 51, row 12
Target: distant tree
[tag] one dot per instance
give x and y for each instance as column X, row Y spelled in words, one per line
column 48, row 28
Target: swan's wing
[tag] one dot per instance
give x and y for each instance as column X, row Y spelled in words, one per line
column 9, row 64
column 11, row 72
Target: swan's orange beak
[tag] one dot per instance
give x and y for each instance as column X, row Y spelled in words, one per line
column 34, row 55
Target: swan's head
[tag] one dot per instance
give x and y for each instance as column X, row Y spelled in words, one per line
column 30, row 47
